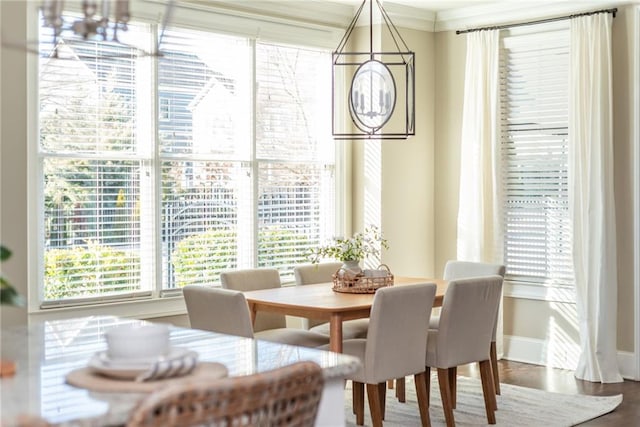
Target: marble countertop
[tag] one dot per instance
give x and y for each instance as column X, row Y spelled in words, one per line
column 45, row 352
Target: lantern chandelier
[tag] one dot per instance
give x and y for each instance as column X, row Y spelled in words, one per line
column 381, row 94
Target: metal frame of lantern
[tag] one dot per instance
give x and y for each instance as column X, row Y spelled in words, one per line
column 372, row 96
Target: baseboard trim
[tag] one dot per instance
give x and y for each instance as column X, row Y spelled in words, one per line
column 535, row 351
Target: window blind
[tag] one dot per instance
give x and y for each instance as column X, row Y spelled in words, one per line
column 203, row 123
column 534, row 72
column 294, row 153
column 90, row 166
column 162, row 172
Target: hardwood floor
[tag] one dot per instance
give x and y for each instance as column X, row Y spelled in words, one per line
column 563, row 381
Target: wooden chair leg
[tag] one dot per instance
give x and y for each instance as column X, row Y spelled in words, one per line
column 445, row 395
column 488, row 390
column 400, row 390
column 390, row 384
column 423, row 398
column 493, row 353
column 453, row 383
column 353, row 396
column 382, row 393
column 374, row 404
column 358, row 402
column 427, row 371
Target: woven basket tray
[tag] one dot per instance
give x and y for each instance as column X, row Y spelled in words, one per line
column 361, row 284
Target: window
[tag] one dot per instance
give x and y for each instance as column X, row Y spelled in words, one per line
column 534, row 80
column 158, row 172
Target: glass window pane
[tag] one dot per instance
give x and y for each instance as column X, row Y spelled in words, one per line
column 295, row 212
column 293, row 117
column 204, row 94
column 93, row 243
column 200, row 203
column 535, row 138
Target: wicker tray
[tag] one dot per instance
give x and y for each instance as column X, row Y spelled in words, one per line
column 361, row 283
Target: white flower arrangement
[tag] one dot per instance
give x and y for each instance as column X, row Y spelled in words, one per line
column 356, row 248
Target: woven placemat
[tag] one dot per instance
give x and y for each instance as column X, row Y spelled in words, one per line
column 91, row 380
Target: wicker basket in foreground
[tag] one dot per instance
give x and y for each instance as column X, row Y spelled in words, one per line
column 362, row 283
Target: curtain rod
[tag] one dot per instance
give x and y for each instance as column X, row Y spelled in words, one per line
column 541, row 21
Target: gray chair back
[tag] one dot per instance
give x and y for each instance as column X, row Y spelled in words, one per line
column 465, row 269
column 218, row 310
column 252, row 280
column 397, row 338
column 310, row 274
column 466, row 322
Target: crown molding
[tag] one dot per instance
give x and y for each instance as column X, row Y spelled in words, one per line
column 338, row 14
column 500, row 13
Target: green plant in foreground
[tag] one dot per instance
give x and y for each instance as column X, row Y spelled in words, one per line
column 8, row 294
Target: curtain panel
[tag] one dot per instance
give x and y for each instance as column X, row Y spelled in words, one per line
column 479, row 226
column 479, row 207
column 591, row 197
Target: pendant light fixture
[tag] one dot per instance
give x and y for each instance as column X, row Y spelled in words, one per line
column 376, row 89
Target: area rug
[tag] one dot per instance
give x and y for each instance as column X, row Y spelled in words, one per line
column 517, row 406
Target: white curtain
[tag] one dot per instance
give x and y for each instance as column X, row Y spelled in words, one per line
column 478, row 209
column 479, row 226
column 591, row 201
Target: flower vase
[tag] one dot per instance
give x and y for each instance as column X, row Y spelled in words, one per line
column 350, row 269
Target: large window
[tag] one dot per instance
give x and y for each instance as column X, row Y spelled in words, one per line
column 162, row 171
column 534, row 79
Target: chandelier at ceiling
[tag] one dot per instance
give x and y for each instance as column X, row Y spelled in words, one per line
column 375, row 88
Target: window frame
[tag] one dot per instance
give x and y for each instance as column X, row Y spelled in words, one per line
column 531, row 290
column 160, row 303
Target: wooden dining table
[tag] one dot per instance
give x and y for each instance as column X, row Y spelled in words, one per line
column 320, row 301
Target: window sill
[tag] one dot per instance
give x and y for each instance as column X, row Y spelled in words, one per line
column 138, row 309
column 522, row 290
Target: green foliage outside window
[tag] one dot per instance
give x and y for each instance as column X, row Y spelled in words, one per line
column 201, row 257
column 89, row 271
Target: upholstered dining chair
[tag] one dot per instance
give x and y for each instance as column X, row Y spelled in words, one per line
column 226, row 311
column 466, row 269
column 464, row 336
column 460, row 270
column 285, row 396
column 392, row 350
column 310, row 274
column 254, row 279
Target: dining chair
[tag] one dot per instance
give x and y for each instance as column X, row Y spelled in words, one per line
column 287, row 396
column 460, row 270
column 310, row 274
column 391, row 349
column 254, row 279
column 464, row 336
column 465, row 269
column 226, row 311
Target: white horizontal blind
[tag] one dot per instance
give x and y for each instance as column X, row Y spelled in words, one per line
column 295, row 153
column 160, row 172
column 93, row 245
column 534, row 73
column 203, row 126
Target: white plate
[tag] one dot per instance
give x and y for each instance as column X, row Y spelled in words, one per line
column 101, row 363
